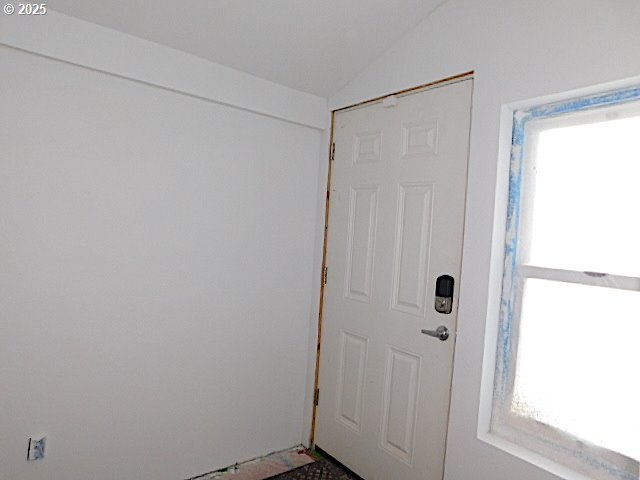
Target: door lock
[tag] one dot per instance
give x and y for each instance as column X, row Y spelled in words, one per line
column 444, row 294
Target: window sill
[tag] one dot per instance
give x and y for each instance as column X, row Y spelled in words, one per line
column 531, row 457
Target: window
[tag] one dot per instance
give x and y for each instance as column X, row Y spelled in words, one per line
column 568, row 372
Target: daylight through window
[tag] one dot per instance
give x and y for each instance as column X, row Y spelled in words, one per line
column 568, row 374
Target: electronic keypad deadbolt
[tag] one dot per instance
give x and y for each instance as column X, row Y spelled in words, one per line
column 444, row 294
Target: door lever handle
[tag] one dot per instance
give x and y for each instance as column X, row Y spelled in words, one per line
column 441, row 332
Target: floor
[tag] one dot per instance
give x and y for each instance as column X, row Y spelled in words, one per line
column 293, row 464
column 262, row 467
column 321, row 470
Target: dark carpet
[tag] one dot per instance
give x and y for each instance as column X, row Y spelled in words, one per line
column 320, row 470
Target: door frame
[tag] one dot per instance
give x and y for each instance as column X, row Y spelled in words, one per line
column 427, row 86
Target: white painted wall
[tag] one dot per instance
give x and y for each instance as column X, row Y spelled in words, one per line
column 519, row 50
column 82, row 43
column 156, row 260
column 160, row 253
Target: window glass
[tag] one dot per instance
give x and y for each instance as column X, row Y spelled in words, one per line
column 585, row 214
column 578, row 362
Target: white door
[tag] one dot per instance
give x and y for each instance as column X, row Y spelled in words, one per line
column 395, row 225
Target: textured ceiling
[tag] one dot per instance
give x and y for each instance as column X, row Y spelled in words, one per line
column 316, row 46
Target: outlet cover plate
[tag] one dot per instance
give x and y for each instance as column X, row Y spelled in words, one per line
column 37, row 446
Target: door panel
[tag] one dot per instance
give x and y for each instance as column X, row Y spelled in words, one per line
column 353, row 359
column 361, row 241
column 400, row 405
column 395, row 224
column 412, row 248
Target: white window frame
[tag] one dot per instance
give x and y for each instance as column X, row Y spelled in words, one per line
column 552, row 443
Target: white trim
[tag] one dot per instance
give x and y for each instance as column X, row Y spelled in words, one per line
column 81, row 43
column 508, row 109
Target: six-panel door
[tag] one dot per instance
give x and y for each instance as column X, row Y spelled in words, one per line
column 395, row 224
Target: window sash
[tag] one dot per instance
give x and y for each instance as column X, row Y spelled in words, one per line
column 555, row 444
column 594, row 279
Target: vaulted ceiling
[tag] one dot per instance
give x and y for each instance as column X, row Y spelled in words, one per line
column 315, row 46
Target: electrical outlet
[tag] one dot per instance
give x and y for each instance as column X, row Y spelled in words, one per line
column 37, row 447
